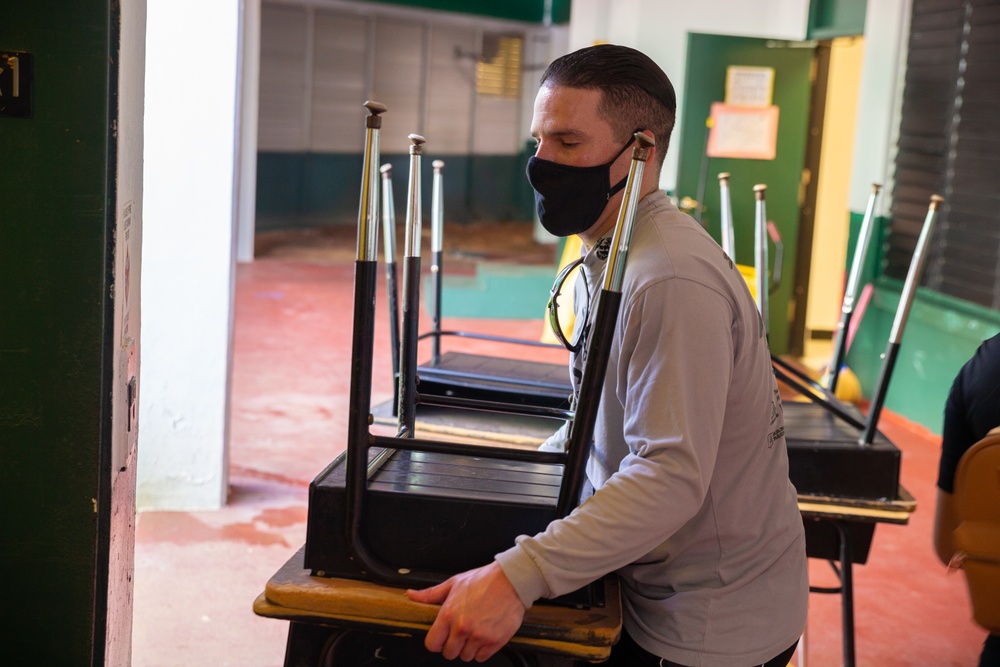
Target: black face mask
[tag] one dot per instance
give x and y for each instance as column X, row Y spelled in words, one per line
column 569, row 200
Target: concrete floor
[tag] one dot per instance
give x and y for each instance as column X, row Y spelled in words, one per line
column 197, row 573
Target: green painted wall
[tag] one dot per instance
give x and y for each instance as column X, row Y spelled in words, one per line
column 304, row 189
column 873, row 261
column 940, row 336
column 836, row 18
column 532, row 11
column 496, row 291
column 55, row 335
column 942, row 333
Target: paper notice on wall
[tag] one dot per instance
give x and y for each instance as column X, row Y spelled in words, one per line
column 749, row 86
column 743, row 132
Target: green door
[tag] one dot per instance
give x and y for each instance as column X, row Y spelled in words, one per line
column 708, row 58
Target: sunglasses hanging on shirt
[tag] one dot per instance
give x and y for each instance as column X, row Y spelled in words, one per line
column 553, row 307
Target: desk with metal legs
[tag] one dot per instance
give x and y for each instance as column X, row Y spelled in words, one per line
column 327, row 611
column 839, row 530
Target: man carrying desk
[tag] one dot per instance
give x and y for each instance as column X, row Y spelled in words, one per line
column 692, row 504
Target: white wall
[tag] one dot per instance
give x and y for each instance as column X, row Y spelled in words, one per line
column 541, row 48
column 887, row 29
column 188, row 255
column 660, row 28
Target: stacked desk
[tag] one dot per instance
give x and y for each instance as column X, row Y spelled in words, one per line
column 324, row 610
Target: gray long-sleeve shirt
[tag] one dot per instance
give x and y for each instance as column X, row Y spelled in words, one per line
column 692, row 504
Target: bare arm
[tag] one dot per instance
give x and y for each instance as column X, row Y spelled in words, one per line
column 945, row 523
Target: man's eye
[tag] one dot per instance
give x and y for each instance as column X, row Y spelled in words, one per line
column 569, row 144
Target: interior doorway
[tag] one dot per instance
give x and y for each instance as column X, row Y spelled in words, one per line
column 814, row 86
column 825, row 224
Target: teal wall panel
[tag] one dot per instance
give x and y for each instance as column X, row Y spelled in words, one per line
column 876, row 246
column 941, row 335
column 279, row 179
column 497, row 291
column 498, row 188
column 836, row 18
column 330, row 181
column 309, row 189
column 532, row 11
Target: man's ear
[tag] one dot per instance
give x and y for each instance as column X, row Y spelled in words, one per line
column 654, row 149
column 652, row 137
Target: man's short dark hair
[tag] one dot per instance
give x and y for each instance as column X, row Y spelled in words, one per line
column 636, row 93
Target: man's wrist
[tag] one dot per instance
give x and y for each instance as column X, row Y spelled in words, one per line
column 523, row 575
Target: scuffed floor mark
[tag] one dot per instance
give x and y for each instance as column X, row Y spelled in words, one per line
column 283, row 517
column 184, row 529
column 262, row 475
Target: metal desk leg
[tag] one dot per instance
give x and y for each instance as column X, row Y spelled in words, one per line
column 307, row 644
column 846, row 591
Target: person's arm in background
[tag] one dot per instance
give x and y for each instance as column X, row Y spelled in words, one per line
column 944, row 526
column 956, row 438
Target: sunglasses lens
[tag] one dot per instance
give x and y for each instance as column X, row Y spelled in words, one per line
column 553, row 305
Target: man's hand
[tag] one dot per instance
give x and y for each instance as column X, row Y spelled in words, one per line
column 480, row 612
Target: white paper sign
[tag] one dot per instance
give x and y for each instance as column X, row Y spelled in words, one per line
column 749, row 86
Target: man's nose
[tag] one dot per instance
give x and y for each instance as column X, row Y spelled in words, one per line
column 543, row 150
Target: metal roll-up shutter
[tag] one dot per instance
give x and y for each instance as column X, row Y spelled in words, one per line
column 949, row 143
column 969, row 248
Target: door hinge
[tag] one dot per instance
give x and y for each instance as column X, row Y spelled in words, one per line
column 804, row 185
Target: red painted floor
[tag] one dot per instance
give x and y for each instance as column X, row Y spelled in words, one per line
column 197, row 573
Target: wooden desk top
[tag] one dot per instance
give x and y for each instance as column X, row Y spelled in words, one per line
column 862, row 510
column 293, row 594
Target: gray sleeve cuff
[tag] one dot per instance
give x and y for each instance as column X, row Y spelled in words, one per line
column 526, row 578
